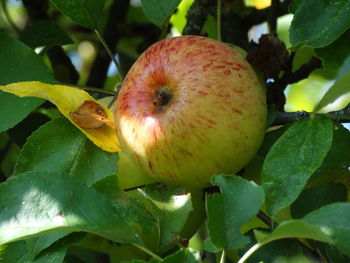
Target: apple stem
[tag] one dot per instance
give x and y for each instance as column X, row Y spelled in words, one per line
column 110, row 54
column 218, row 17
column 147, row 251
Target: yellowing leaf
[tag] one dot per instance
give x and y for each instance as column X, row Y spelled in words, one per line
column 68, row 99
column 258, row 4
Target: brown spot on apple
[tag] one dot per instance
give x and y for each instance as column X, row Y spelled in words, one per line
column 237, row 111
column 150, row 165
column 201, row 92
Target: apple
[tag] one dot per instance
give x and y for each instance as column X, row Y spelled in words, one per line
column 190, row 107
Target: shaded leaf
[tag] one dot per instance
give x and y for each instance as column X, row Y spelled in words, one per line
column 170, row 207
column 333, row 220
column 35, row 245
column 319, row 23
column 68, row 99
column 316, row 197
column 87, row 13
column 329, row 224
column 334, row 55
column 158, row 12
column 291, row 229
column 337, row 160
column 227, row 213
column 60, row 147
column 131, row 205
column 334, row 255
column 183, row 256
column 14, row 66
column 36, row 203
column 293, row 159
column 44, row 33
column 16, row 252
column 26, row 127
column 280, row 251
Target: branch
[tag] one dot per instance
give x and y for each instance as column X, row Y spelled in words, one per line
column 303, row 72
column 281, row 117
column 116, row 17
column 197, row 15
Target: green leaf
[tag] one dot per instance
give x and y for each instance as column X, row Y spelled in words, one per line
column 36, row 203
column 316, row 197
column 293, row 6
column 334, row 255
column 158, row 12
column 19, row 63
column 293, row 159
column 339, row 89
column 291, row 229
column 333, row 220
column 16, row 252
column 280, row 251
column 337, row 160
column 319, row 23
column 44, row 33
column 227, row 212
column 345, row 68
column 334, row 54
column 35, row 245
column 22, row 251
column 87, row 13
column 329, row 224
column 170, row 207
column 131, row 205
column 183, row 256
column 59, row 146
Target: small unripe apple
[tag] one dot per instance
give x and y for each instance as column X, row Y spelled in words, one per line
column 190, row 107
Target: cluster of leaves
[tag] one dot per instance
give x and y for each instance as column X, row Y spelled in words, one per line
column 64, row 199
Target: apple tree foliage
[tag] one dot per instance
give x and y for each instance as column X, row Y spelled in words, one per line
column 63, row 199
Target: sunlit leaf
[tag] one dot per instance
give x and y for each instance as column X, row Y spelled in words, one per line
column 36, row 203
column 68, row 99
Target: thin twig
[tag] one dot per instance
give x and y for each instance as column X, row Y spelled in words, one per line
column 110, row 54
column 218, row 18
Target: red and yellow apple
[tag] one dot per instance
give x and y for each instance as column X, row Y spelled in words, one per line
column 189, row 108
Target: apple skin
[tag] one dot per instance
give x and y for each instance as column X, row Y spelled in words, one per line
column 190, row 107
